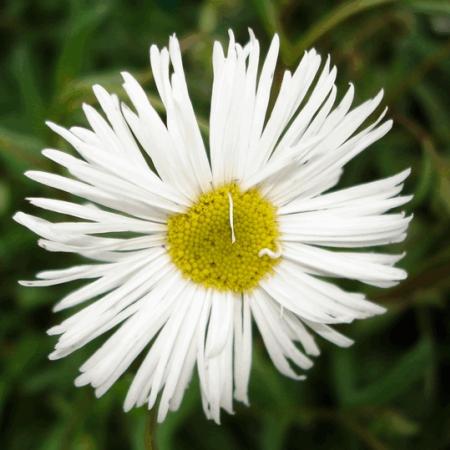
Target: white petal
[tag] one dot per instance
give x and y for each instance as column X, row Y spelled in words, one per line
column 299, row 333
column 288, row 101
column 181, row 349
column 169, row 335
column 323, row 292
column 201, row 357
column 339, row 231
column 218, row 352
column 263, row 95
column 91, row 248
column 379, row 190
column 280, row 330
column 155, row 137
column 146, row 287
column 273, row 346
column 132, row 183
column 329, row 334
column 111, row 106
column 341, row 264
column 108, row 282
column 305, row 301
column 138, row 394
column 242, row 348
column 219, row 323
column 115, row 355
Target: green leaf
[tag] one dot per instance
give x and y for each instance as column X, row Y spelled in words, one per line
column 31, row 97
column 430, row 6
column 343, row 372
column 399, row 379
column 84, row 23
column 334, row 18
column 20, row 151
column 166, row 432
column 5, row 198
column 274, row 432
column 269, row 16
column 425, row 180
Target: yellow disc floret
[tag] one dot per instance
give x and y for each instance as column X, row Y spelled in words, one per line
column 227, row 240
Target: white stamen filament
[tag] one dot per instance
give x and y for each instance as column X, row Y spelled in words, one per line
column 230, row 203
column 270, row 253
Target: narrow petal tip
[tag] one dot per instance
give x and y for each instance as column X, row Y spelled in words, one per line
column 18, row 216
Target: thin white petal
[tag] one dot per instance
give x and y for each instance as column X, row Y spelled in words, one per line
column 242, row 348
column 273, row 347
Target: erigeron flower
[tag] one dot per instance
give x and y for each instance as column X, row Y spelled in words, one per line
column 211, row 238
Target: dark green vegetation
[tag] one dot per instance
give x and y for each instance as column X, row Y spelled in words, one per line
column 390, row 390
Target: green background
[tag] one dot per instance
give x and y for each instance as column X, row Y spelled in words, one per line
column 388, row 391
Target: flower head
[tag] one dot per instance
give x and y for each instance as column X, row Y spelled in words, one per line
column 208, row 239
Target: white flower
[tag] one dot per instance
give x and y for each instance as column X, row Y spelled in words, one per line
column 213, row 238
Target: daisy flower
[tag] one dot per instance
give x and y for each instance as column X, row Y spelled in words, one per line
column 190, row 244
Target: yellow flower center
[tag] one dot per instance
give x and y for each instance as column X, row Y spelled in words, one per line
column 227, row 240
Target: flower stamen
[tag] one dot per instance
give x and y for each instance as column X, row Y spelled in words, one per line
column 270, row 253
column 230, row 208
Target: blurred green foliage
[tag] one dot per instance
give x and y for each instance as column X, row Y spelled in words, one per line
column 390, row 390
